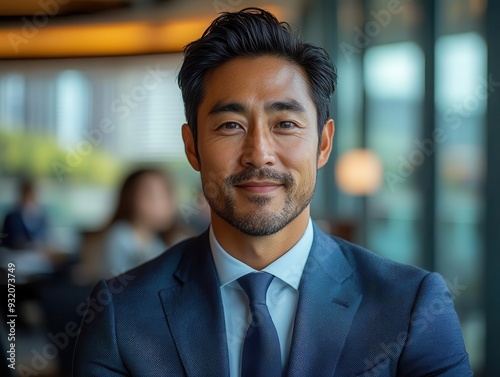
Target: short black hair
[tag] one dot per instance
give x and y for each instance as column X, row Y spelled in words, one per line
column 27, row 187
column 253, row 32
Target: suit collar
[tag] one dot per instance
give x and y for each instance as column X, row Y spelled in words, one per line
column 288, row 267
column 328, row 301
column 194, row 313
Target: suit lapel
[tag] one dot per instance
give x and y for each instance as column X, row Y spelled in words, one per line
column 195, row 314
column 328, row 301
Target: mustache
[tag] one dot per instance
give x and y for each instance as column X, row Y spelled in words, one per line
column 266, row 174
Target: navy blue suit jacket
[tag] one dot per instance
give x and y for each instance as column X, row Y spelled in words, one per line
column 358, row 315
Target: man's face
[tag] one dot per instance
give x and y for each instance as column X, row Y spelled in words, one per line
column 258, row 143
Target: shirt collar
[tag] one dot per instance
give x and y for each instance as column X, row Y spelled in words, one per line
column 288, row 267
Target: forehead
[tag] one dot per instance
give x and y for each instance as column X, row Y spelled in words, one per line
column 256, row 80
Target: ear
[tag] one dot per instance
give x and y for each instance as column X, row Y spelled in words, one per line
column 190, row 147
column 326, row 143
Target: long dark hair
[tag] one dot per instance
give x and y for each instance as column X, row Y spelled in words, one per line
column 126, row 205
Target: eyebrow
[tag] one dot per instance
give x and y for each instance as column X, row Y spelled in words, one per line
column 291, row 105
column 235, row 107
column 227, row 107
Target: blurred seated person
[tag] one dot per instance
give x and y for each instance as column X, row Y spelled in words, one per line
column 26, row 226
column 146, row 207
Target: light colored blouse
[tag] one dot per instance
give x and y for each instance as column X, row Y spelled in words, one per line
column 124, row 250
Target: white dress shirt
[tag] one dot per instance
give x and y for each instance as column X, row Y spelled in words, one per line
column 282, row 295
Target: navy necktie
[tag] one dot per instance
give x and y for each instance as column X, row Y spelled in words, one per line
column 261, row 350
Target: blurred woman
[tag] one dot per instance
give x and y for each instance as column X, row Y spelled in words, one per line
column 146, row 207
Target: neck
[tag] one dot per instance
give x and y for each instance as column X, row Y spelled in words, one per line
column 259, row 252
column 143, row 232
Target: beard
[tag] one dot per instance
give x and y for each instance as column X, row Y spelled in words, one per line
column 260, row 222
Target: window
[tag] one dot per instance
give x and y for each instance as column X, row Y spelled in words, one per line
column 394, row 87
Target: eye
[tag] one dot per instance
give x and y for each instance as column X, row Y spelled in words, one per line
column 228, row 126
column 286, row 125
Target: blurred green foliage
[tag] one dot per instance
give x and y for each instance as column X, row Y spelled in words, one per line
column 40, row 156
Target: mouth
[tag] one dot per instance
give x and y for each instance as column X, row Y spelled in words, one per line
column 259, row 187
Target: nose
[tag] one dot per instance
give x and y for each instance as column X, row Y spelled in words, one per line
column 258, row 149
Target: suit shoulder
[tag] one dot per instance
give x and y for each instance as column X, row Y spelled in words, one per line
column 377, row 271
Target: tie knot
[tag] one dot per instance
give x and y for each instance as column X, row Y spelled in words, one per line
column 255, row 285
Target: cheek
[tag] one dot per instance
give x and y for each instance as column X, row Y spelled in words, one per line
column 301, row 161
column 141, row 206
column 218, row 161
column 210, row 185
column 165, row 205
column 213, row 174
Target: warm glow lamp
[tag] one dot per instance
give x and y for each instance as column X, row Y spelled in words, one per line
column 358, row 172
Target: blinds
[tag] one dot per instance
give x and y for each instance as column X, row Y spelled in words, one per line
column 139, row 95
column 155, row 124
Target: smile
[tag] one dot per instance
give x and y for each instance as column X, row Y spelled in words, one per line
column 259, row 187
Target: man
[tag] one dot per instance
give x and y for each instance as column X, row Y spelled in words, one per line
column 264, row 292
column 26, row 226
